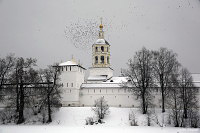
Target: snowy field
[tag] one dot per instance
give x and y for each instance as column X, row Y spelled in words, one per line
column 72, row 120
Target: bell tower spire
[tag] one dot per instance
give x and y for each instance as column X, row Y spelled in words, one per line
column 101, row 50
column 101, row 32
column 100, row 58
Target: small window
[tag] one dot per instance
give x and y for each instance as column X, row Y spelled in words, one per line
column 67, row 84
column 72, row 84
column 100, row 90
column 94, row 90
column 96, row 59
column 96, row 49
column 70, row 68
column 66, row 68
column 62, row 68
column 102, row 48
column 70, row 90
column 102, row 59
column 128, row 96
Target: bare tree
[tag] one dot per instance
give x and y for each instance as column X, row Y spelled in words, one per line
column 101, row 108
column 175, row 102
column 164, row 62
column 6, row 64
column 188, row 91
column 140, row 75
column 183, row 101
column 22, row 68
column 51, row 97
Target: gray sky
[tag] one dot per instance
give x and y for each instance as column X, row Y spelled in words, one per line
column 36, row 28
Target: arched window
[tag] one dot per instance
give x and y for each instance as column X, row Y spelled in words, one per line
column 96, row 49
column 96, row 59
column 108, row 61
column 102, row 48
column 102, row 59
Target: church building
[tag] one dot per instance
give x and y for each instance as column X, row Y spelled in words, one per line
column 78, row 91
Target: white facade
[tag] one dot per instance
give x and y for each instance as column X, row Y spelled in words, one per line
column 72, row 76
column 100, row 83
column 100, row 72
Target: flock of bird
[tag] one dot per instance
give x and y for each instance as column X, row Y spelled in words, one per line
column 84, row 32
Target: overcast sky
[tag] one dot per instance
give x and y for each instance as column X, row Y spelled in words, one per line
column 37, row 28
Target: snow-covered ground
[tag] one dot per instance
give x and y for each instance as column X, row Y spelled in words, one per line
column 72, row 120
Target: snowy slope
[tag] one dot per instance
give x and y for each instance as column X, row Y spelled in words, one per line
column 92, row 129
column 72, row 120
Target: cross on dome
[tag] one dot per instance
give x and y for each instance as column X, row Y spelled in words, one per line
column 101, row 33
column 101, row 25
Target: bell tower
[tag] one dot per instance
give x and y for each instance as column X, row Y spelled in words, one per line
column 100, row 70
column 101, row 50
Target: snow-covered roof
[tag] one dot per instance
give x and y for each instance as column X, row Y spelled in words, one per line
column 100, row 85
column 114, row 82
column 117, row 80
column 101, row 41
column 68, row 63
column 196, row 79
column 97, row 77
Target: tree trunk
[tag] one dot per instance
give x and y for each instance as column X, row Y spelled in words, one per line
column 49, row 108
column 185, row 112
column 21, row 105
column 17, row 90
column 101, row 111
column 162, row 93
column 163, row 100
column 17, row 98
column 143, row 103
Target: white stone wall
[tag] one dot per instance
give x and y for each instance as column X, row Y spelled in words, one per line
column 101, row 71
column 116, row 97
column 71, row 80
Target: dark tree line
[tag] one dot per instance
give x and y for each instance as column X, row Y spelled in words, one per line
column 160, row 69
column 23, row 87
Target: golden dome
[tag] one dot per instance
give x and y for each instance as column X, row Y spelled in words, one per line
column 101, row 26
